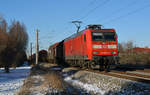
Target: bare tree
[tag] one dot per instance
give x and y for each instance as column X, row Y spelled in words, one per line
column 121, row 48
column 18, row 35
column 129, row 45
column 3, row 37
column 16, row 40
column 3, row 25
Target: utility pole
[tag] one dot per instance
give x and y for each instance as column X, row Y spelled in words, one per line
column 77, row 24
column 37, row 47
column 31, row 52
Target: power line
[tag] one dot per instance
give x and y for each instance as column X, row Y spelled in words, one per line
column 129, row 13
column 87, row 6
column 119, row 10
column 92, row 10
column 92, row 2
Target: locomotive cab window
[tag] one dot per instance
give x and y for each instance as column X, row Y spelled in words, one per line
column 103, row 36
column 109, row 36
column 97, row 36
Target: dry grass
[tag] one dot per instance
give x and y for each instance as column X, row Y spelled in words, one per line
column 43, row 81
column 47, row 65
column 54, row 81
column 25, row 90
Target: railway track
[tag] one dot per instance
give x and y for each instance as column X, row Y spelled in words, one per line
column 145, row 70
column 132, row 74
column 125, row 75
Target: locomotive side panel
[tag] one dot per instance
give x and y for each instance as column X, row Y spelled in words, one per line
column 89, row 44
column 76, row 48
column 84, row 46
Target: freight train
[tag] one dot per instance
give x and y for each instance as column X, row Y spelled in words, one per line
column 93, row 47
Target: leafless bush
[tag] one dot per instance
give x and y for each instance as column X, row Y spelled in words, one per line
column 129, row 56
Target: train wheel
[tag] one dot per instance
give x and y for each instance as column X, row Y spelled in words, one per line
column 101, row 64
column 92, row 65
column 80, row 64
column 108, row 68
column 88, row 65
column 76, row 63
column 101, row 67
column 107, row 65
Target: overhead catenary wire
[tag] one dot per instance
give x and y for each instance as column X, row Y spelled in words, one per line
column 127, row 14
column 117, row 11
column 92, row 2
column 45, row 40
column 93, row 9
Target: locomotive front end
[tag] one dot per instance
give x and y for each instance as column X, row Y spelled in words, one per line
column 104, row 43
column 104, row 47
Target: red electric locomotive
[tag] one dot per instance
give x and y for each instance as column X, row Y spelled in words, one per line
column 89, row 48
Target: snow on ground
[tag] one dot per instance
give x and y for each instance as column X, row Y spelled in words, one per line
column 85, row 86
column 11, row 82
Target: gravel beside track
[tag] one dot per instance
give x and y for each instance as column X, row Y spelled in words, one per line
column 109, row 85
column 122, row 76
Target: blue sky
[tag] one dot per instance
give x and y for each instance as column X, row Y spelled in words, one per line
column 130, row 18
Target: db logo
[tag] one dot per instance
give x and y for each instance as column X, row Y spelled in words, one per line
column 104, row 46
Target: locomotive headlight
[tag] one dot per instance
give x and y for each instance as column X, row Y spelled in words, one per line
column 94, row 52
column 97, row 46
column 112, row 46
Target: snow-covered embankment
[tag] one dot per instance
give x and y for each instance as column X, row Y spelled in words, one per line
column 10, row 83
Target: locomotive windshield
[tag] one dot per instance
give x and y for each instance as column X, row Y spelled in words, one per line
column 97, row 36
column 103, row 36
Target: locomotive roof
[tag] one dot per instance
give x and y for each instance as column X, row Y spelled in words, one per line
column 74, row 35
column 77, row 34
